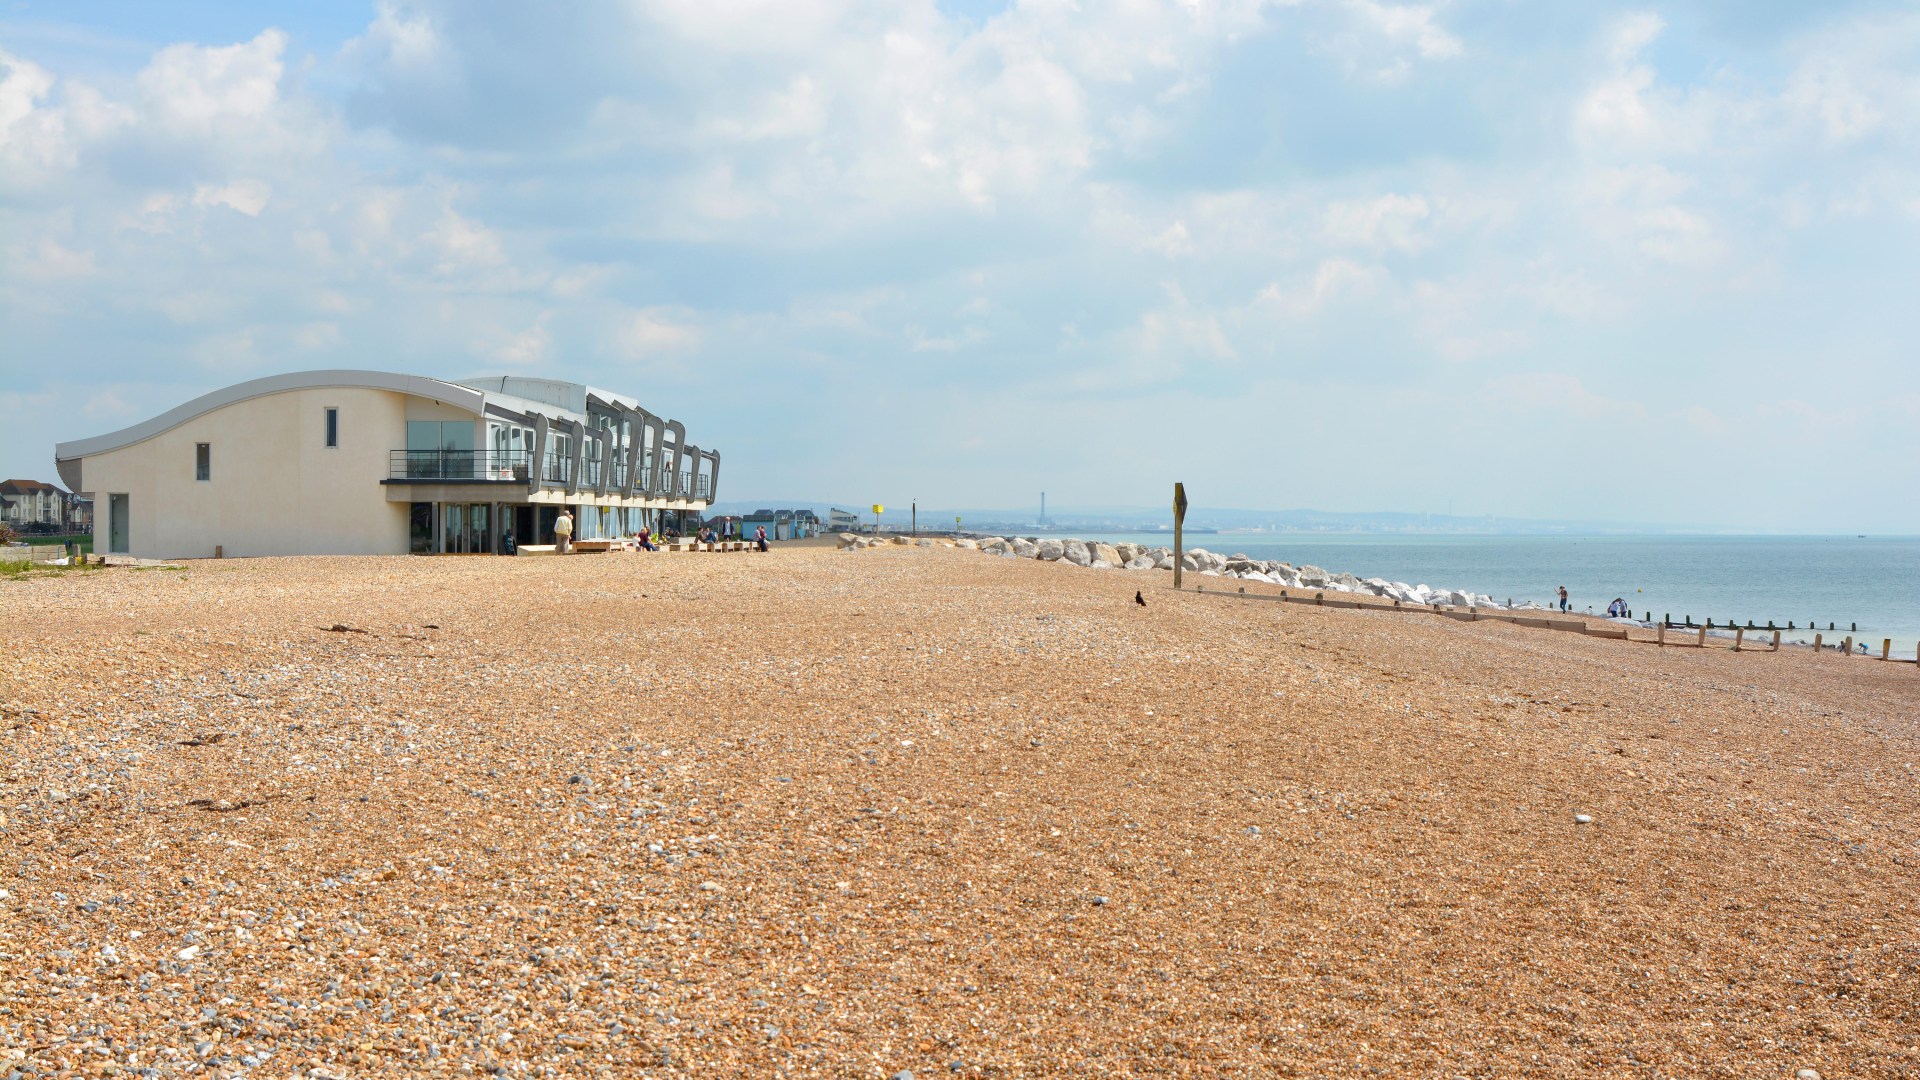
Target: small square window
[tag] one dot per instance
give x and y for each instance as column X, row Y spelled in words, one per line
column 333, row 427
column 202, row 461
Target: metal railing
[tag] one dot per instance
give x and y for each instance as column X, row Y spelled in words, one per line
column 498, row 465
column 511, row 466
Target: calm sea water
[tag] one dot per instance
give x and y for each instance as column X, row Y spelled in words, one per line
column 1872, row 581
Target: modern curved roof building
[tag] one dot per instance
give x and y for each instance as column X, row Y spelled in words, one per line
column 375, row 462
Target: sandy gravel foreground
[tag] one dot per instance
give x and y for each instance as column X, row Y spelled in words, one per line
column 848, row 814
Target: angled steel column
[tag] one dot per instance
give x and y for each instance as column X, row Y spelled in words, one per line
column 636, row 442
column 537, row 470
column 693, row 473
column 713, row 476
column 606, row 461
column 579, row 456
column 669, row 474
column 658, row 426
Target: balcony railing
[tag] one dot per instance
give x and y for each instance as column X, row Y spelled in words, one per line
column 498, row 465
column 510, row 466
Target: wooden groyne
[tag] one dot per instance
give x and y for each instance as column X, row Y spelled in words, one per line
column 1768, row 639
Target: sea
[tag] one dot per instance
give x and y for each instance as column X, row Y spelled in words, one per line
column 1871, row 582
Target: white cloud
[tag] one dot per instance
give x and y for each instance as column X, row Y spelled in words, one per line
column 1410, row 22
column 1674, row 235
column 50, row 260
column 1390, row 221
column 248, row 197
column 199, row 88
column 464, row 245
column 1563, row 397
column 528, row 348
column 32, row 137
column 1174, row 242
column 1183, row 331
column 653, row 331
column 1333, row 281
column 1632, row 34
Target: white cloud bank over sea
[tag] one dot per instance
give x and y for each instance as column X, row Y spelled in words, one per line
column 1655, row 262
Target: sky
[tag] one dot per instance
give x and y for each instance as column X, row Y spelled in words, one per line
column 1580, row 260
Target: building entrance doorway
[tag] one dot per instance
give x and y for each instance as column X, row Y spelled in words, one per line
column 467, row 531
column 119, row 525
column 523, row 529
column 420, row 529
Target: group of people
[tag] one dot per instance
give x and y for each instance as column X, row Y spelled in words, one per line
column 1616, row 610
column 645, row 537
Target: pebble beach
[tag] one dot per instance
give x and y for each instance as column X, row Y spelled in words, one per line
column 911, row 811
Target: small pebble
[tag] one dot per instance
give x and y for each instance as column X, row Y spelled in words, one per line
column 903, row 1074
column 1099, row 901
column 1806, row 1074
column 1582, row 819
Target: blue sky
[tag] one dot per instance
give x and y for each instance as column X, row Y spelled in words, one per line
column 1649, row 262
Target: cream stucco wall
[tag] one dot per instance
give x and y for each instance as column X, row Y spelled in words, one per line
column 275, row 487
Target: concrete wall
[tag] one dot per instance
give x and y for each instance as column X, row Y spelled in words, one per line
column 275, row 487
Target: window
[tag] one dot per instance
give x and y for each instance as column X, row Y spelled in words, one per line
column 202, row 461
column 333, row 427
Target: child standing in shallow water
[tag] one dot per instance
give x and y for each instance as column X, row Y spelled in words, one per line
column 1563, row 598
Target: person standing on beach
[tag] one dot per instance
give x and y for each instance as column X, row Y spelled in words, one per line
column 563, row 531
column 1563, row 598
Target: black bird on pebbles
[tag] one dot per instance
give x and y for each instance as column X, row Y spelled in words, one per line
column 1138, row 599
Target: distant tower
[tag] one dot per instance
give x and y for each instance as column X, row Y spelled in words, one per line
column 1043, row 509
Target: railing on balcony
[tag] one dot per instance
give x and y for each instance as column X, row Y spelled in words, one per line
column 510, row 466
column 497, row 465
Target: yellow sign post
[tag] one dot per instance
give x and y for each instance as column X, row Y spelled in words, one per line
column 877, row 511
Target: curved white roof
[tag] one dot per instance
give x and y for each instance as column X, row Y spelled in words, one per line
column 463, row 397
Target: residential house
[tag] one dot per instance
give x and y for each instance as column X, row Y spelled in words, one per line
column 34, row 502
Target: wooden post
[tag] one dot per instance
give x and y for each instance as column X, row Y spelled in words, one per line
column 1660, row 634
column 1703, row 637
column 1739, row 635
column 1179, row 519
column 1847, row 645
column 1816, row 644
column 1776, row 641
column 1886, row 648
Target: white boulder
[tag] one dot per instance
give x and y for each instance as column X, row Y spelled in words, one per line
column 1049, row 550
column 1076, row 553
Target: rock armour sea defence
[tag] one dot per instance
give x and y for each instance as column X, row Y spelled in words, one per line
column 1096, row 555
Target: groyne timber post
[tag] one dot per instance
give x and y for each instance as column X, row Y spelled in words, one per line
column 1179, row 519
